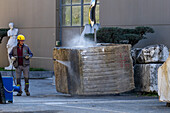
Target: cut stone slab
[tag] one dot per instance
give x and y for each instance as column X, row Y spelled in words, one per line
column 164, row 82
column 94, row 70
column 153, row 54
column 146, row 77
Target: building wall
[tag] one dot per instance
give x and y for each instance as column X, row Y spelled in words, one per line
column 132, row 13
column 36, row 19
column 70, row 36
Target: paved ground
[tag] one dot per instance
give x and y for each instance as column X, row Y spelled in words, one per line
column 45, row 99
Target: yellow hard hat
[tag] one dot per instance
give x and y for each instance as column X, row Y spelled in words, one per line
column 20, row 37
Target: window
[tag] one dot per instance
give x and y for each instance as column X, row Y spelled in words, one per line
column 75, row 12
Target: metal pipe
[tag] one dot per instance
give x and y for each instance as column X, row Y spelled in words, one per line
column 95, row 35
column 61, row 22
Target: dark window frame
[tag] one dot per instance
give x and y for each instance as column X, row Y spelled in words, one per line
column 71, row 5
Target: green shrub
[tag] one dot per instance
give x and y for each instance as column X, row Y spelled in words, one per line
column 120, row 35
column 37, row 69
column 2, row 69
column 3, row 32
column 153, row 94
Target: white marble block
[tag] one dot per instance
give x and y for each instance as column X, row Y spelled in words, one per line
column 153, row 54
column 146, row 77
column 164, row 82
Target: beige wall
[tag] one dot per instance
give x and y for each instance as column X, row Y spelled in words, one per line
column 36, row 19
column 132, row 13
column 70, row 35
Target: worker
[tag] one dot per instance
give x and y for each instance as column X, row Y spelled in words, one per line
column 20, row 56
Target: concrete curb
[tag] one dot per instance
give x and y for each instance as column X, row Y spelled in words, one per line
column 32, row 74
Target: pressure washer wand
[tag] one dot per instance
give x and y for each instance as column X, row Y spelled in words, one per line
column 45, row 58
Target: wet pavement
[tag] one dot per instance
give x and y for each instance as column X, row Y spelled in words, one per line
column 45, row 99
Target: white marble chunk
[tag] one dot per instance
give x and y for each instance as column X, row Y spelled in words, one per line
column 146, row 77
column 164, row 82
column 153, row 54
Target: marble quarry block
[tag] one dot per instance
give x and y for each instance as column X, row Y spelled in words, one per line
column 93, row 70
column 164, row 82
column 153, row 54
column 145, row 76
column 134, row 53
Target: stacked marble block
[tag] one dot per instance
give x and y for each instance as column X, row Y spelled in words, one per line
column 146, row 64
column 164, row 82
column 94, row 70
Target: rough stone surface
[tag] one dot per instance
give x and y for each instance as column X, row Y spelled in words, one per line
column 153, row 54
column 94, row 70
column 164, row 81
column 146, row 77
column 134, row 53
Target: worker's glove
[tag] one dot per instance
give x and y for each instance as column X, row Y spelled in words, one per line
column 7, row 46
column 27, row 56
column 13, row 58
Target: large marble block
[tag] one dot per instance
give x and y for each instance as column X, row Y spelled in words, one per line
column 146, row 77
column 153, row 54
column 164, row 82
column 134, row 53
column 94, row 70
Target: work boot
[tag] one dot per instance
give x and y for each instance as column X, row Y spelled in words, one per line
column 167, row 104
column 27, row 92
column 19, row 93
column 27, row 87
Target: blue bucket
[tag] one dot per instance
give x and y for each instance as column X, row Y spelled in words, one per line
column 8, row 83
column 16, row 88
